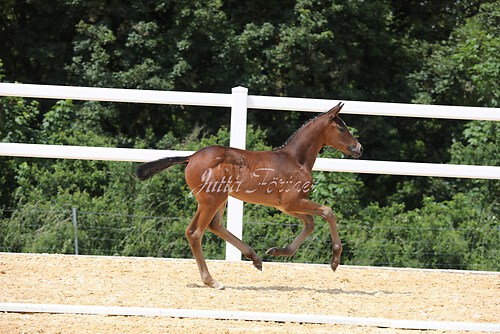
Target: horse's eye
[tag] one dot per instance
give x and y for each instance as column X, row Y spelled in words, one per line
column 341, row 128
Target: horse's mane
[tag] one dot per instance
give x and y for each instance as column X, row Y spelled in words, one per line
column 300, row 129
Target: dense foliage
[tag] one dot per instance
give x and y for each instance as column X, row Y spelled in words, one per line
column 437, row 52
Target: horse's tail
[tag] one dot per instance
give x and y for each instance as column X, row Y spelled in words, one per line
column 148, row 169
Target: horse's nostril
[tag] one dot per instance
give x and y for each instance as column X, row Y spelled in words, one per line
column 356, row 150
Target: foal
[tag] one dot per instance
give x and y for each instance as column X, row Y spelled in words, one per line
column 280, row 178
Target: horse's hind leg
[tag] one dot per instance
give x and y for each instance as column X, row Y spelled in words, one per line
column 217, row 227
column 290, row 250
column 194, row 233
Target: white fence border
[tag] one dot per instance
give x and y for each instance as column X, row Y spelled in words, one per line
column 239, row 101
column 322, row 164
column 246, row 315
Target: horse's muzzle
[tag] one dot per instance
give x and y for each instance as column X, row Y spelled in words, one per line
column 356, row 150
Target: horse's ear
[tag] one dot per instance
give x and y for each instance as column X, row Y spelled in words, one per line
column 335, row 110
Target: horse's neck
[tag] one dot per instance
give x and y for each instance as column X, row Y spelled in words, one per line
column 306, row 143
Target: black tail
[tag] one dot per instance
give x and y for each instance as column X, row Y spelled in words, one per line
column 148, row 169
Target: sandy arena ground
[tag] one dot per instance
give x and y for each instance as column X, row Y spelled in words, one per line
column 284, row 288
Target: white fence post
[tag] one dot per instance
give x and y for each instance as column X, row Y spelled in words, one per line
column 75, row 229
column 238, row 137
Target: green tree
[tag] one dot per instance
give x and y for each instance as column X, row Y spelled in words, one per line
column 464, row 70
column 35, row 46
column 460, row 233
column 429, row 20
column 480, row 146
column 460, row 70
column 17, row 122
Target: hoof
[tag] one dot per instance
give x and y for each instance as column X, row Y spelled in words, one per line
column 215, row 285
column 219, row 286
column 334, row 266
column 258, row 265
column 272, row 251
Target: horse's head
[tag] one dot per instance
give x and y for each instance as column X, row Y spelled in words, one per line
column 338, row 135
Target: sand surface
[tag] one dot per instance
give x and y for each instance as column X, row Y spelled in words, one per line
column 280, row 287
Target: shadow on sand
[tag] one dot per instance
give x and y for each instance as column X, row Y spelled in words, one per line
column 283, row 288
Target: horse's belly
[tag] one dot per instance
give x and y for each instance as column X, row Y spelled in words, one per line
column 256, row 198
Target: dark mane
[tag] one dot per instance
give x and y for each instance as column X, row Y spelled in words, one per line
column 300, row 129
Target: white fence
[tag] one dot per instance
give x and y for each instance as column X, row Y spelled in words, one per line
column 239, row 101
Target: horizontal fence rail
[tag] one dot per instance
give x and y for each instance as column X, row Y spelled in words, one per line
column 322, row 164
column 376, row 108
column 115, row 95
column 407, row 168
column 239, row 101
column 86, row 152
column 253, row 101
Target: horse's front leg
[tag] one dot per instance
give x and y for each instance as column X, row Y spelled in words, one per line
column 306, row 206
column 194, row 234
column 290, row 250
column 328, row 215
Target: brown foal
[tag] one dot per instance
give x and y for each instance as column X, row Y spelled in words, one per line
column 280, row 178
